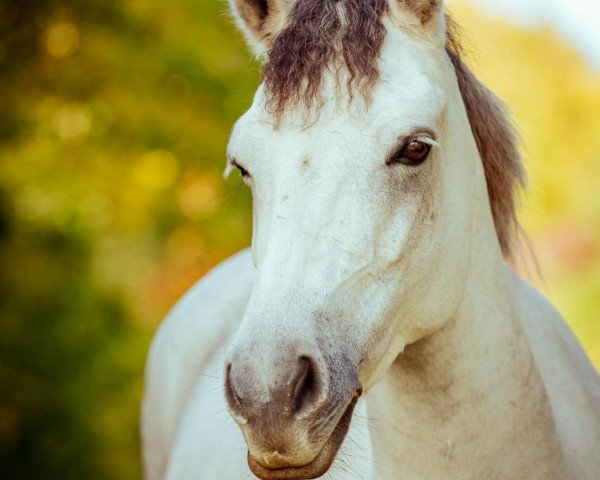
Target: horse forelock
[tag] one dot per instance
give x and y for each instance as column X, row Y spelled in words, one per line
column 322, row 34
column 349, row 36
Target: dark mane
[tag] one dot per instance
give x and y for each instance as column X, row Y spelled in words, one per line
column 329, row 34
column 323, row 34
column 497, row 142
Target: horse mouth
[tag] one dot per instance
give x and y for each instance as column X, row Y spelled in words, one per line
column 322, row 462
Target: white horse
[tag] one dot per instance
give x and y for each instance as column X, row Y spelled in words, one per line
column 383, row 177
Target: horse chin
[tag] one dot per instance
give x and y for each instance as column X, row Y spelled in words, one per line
column 321, row 463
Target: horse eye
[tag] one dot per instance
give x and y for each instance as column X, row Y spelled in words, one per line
column 412, row 154
column 243, row 172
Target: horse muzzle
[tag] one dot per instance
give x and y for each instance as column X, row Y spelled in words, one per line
column 320, row 464
column 293, row 421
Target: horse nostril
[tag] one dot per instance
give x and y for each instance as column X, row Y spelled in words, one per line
column 231, row 396
column 307, row 387
column 296, row 388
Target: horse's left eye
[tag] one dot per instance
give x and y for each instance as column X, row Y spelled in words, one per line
column 412, row 154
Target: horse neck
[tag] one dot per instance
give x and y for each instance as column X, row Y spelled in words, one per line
column 468, row 399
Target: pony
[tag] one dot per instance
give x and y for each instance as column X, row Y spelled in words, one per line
column 375, row 329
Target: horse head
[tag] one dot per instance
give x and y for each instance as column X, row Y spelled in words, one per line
column 363, row 149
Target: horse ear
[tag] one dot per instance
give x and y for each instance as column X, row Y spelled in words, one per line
column 424, row 10
column 260, row 21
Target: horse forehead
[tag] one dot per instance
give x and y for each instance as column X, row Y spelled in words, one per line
column 394, row 101
column 408, row 92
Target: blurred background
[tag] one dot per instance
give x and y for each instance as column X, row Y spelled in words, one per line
column 114, row 118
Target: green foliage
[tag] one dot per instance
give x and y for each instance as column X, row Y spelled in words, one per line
column 113, row 126
column 114, row 122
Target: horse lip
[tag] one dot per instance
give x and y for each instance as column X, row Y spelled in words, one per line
column 322, row 462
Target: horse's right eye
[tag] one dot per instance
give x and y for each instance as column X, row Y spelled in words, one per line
column 243, row 172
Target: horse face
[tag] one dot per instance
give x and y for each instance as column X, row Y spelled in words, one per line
column 360, row 231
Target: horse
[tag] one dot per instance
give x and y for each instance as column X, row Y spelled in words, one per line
column 375, row 329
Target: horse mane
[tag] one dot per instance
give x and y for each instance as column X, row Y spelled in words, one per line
column 497, row 142
column 329, row 34
column 322, row 34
